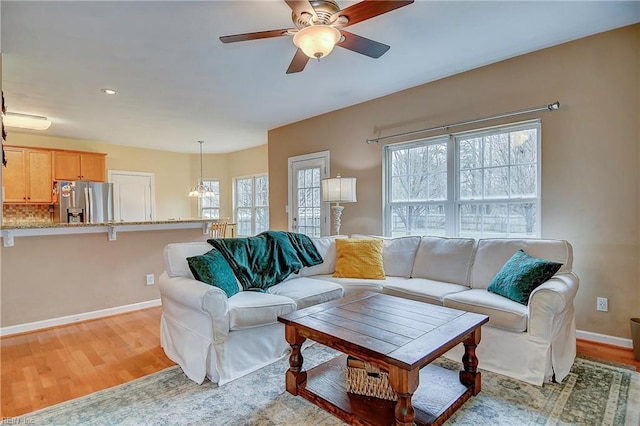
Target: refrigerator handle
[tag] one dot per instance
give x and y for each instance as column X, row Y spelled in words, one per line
column 88, row 207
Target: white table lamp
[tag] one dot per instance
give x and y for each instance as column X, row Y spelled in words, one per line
column 338, row 190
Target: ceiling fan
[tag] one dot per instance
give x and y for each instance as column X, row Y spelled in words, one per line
column 319, row 26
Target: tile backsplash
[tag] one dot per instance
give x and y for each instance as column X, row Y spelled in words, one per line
column 26, row 213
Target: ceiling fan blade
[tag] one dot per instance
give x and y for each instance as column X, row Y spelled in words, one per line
column 368, row 9
column 298, row 63
column 362, row 45
column 302, row 6
column 255, row 36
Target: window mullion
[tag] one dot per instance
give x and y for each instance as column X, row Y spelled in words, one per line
column 453, row 192
column 253, row 205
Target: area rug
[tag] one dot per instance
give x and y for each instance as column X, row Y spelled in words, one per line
column 592, row 394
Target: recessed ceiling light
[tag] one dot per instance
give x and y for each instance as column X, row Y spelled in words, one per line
column 109, row 92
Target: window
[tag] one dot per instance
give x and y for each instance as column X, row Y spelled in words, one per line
column 210, row 206
column 251, row 204
column 478, row 184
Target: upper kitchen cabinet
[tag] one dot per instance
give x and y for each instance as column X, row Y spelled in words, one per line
column 28, row 176
column 71, row 165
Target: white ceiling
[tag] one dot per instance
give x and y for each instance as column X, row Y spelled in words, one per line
column 178, row 83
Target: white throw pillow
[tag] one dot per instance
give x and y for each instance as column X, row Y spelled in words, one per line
column 175, row 257
column 327, row 248
column 444, row 259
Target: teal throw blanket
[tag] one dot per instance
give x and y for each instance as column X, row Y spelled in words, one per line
column 268, row 258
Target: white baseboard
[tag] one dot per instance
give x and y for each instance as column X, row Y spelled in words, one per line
column 604, row 338
column 38, row 325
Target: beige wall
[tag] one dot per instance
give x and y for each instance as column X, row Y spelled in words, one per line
column 590, row 154
column 53, row 276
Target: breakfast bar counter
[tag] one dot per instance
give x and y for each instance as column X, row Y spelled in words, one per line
column 10, row 231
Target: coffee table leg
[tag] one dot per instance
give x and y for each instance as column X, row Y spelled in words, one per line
column 470, row 376
column 405, row 384
column 296, row 376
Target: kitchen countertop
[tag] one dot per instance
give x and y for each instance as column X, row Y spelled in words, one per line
column 43, row 225
column 9, row 232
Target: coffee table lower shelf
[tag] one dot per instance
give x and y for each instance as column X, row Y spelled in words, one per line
column 439, row 394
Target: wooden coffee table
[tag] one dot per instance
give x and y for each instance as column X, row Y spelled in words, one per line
column 397, row 335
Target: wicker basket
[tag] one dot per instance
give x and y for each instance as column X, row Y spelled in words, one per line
column 365, row 379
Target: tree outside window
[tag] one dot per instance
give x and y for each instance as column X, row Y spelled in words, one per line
column 210, row 206
column 251, row 198
column 492, row 191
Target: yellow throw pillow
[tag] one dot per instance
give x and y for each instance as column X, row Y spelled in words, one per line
column 357, row 258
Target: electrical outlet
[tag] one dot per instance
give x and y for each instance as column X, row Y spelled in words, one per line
column 151, row 279
column 602, row 304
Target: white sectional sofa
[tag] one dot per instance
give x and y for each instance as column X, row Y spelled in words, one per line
column 222, row 338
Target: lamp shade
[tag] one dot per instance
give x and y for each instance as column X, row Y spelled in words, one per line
column 339, row 190
column 317, row 41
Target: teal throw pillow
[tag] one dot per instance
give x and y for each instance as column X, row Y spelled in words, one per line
column 212, row 268
column 521, row 275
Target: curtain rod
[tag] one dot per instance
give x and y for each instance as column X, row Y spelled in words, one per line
column 550, row 107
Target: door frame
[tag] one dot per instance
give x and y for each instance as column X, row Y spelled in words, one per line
column 152, row 176
column 323, row 156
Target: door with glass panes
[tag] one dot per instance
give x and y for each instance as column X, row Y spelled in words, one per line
column 307, row 212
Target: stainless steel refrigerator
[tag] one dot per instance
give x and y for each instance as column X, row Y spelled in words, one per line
column 82, row 201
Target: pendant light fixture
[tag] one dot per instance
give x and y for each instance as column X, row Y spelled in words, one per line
column 201, row 190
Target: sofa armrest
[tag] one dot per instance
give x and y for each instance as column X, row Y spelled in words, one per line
column 551, row 299
column 187, row 301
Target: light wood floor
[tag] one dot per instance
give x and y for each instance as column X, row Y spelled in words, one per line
column 46, row 367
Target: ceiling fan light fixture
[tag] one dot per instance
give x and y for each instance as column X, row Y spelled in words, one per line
column 317, row 41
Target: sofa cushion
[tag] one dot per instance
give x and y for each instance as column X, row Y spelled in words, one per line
column 327, row 248
column 492, row 254
column 521, row 275
column 357, row 258
column 423, row 290
column 249, row 309
column 307, row 291
column 175, row 257
column 212, row 268
column 398, row 253
column 357, row 285
column 503, row 313
column 444, row 259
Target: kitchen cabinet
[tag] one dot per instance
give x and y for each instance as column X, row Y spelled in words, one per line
column 72, row 165
column 28, row 176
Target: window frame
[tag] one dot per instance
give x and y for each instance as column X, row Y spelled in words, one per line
column 253, row 206
column 453, row 203
column 208, row 182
